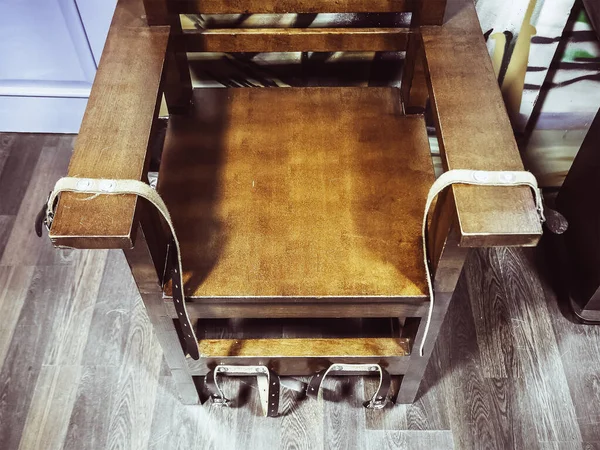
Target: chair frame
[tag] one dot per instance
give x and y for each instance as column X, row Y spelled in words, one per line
column 446, row 64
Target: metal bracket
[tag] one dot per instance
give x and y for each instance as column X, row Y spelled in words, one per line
column 377, row 401
column 267, row 380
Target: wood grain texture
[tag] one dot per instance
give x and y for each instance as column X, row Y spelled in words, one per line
column 115, row 132
column 305, row 347
column 18, row 159
column 296, row 39
column 55, row 391
column 298, row 213
column 287, row 6
column 124, row 399
column 475, row 133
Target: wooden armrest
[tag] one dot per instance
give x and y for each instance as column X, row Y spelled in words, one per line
column 474, row 131
column 114, row 136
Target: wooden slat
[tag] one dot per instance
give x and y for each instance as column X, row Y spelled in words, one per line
column 219, row 309
column 115, row 132
column 288, row 6
column 305, row 347
column 475, row 133
column 296, row 39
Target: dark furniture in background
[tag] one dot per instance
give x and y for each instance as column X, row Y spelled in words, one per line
column 577, row 200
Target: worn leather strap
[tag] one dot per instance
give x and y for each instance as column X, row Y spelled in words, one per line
column 135, row 187
column 474, row 177
column 379, row 399
column 268, row 386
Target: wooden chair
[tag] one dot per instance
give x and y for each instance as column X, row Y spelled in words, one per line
column 296, row 203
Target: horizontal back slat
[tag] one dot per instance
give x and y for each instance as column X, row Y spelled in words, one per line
column 288, row 6
column 296, row 40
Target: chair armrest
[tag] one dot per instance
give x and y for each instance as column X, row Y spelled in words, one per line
column 115, row 132
column 474, row 131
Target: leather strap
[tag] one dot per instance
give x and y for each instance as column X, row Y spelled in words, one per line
column 379, row 399
column 268, row 386
column 135, row 187
column 474, row 177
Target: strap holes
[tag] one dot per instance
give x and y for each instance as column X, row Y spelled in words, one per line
column 181, row 314
column 189, row 335
column 185, row 324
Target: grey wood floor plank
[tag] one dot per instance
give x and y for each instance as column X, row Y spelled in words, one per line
column 542, row 368
column 471, row 412
column 6, row 226
column 48, row 418
column 343, row 413
column 91, row 413
column 7, row 141
column 73, row 317
column 110, row 321
column 558, row 445
column 134, row 395
column 491, row 317
column 302, row 422
column 23, row 246
column 579, row 347
column 14, row 285
column 409, row 440
column 22, row 363
column 19, row 157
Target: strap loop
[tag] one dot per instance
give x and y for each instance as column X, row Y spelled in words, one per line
column 268, row 386
column 379, row 399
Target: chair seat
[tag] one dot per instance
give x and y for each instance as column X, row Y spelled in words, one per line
column 298, row 192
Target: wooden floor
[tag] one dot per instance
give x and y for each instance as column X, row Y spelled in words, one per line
column 80, row 367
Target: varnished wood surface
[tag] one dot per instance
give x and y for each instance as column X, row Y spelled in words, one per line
column 309, row 347
column 296, row 39
column 307, row 200
column 115, row 132
column 474, row 131
column 288, row 6
column 81, row 368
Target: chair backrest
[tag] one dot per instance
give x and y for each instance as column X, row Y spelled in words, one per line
column 166, row 12
column 427, row 12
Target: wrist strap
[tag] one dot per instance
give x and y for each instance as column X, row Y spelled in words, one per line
column 135, row 187
column 479, row 178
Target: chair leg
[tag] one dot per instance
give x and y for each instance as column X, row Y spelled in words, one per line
column 417, row 365
column 174, row 356
column 144, row 272
column 447, row 271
